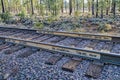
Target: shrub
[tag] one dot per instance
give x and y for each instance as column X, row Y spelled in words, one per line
column 52, row 18
column 101, row 27
column 108, row 27
column 76, row 13
column 77, row 25
column 88, row 15
column 79, row 30
column 21, row 15
column 104, row 27
column 5, row 16
column 38, row 25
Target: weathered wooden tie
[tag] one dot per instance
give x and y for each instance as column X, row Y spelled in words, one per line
column 94, row 70
column 107, row 47
column 27, row 53
column 92, row 45
column 71, row 65
column 4, row 46
column 13, row 49
column 53, row 59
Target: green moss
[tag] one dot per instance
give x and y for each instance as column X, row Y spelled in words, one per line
column 21, row 15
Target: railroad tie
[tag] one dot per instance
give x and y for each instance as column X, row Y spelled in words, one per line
column 4, row 46
column 71, row 65
column 94, row 70
column 27, row 53
column 34, row 37
column 25, row 36
column 53, row 59
column 42, row 40
column 116, row 39
column 58, row 40
column 92, row 45
column 20, row 34
column 107, row 47
column 13, row 49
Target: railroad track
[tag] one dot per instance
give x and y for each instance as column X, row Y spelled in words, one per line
column 107, row 37
column 11, row 56
column 102, row 50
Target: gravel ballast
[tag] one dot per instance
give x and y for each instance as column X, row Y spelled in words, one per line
column 33, row 67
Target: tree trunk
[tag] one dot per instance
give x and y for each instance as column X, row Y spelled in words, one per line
column 40, row 1
column 108, row 7
column 114, row 8
column 49, row 5
column 3, row 8
column 102, row 8
column 89, row 5
column 119, row 6
column 101, row 12
column 66, row 6
column 62, row 6
column 107, row 10
column 55, row 7
column 93, row 7
column 96, row 8
column 77, row 6
column 83, row 7
column 70, row 7
column 73, row 5
column 32, row 7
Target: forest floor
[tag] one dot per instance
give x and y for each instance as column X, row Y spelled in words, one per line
column 70, row 24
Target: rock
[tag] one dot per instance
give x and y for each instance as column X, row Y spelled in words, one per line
column 6, row 75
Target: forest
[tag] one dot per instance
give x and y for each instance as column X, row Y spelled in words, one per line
column 75, row 15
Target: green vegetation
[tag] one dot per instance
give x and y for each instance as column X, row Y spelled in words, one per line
column 39, row 25
column 5, row 16
column 21, row 15
column 103, row 27
column 57, row 7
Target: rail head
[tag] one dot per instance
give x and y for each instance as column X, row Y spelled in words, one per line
column 18, row 28
column 98, row 36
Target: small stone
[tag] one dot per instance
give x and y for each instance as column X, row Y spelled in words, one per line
column 6, row 75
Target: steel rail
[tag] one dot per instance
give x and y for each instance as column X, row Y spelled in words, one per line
column 105, row 57
column 106, row 37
